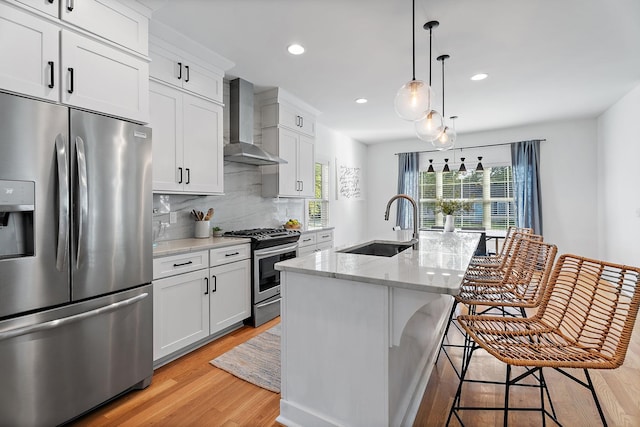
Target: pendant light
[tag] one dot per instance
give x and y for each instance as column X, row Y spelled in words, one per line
column 463, row 168
column 446, row 166
column 429, row 127
column 447, row 138
column 479, row 167
column 413, row 99
column 430, row 170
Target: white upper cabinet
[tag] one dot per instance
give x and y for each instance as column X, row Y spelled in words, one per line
column 187, row 142
column 109, row 19
column 289, row 116
column 184, row 73
column 92, row 57
column 288, row 129
column 100, row 78
column 30, row 54
column 50, row 7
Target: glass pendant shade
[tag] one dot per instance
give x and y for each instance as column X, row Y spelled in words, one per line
column 479, row 167
column 445, row 140
column 430, row 126
column 446, row 166
column 430, row 170
column 413, row 100
column 463, row 168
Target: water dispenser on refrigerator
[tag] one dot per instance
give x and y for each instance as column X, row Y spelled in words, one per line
column 17, row 203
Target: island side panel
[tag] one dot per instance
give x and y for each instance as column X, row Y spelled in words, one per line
column 412, row 355
column 335, row 346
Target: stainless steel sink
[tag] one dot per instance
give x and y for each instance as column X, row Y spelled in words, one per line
column 378, row 248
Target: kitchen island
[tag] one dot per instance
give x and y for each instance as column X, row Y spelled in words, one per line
column 360, row 333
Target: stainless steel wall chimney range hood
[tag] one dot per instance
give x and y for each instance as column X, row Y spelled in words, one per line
column 241, row 149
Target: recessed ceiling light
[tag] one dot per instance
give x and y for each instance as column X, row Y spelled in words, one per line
column 295, row 49
column 361, row 100
column 479, row 76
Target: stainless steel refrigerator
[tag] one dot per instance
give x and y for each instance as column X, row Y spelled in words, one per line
column 75, row 260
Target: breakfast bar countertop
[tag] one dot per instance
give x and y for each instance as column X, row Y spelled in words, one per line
column 437, row 266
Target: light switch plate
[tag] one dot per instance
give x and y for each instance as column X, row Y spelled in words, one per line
column 173, row 217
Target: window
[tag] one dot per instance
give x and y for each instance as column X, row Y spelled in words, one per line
column 318, row 208
column 490, row 193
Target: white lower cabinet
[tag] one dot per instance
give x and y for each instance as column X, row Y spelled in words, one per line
column 315, row 241
column 180, row 312
column 197, row 295
column 230, row 300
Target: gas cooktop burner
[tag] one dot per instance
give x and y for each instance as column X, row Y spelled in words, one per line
column 264, row 233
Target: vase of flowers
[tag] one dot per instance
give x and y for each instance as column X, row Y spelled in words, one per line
column 450, row 207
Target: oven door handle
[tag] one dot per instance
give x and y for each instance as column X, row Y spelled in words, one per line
column 280, row 250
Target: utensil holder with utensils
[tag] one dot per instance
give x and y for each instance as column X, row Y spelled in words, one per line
column 202, row 229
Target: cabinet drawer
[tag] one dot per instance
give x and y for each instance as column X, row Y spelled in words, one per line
column 323, row 246
column 229, row 254
column 307, row 239
column 324, row 236
column 178, row 264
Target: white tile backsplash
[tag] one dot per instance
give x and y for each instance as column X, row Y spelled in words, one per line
column 241, row 207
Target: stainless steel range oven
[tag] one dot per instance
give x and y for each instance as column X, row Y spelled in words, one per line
column 269, row 246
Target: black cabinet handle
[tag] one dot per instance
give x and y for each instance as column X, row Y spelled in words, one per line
column 186, row 67
column 70, row 90
column 180, row 180
column 183, row 264
column 51, row 75
column 215, row 284
column 233, row 254
column 207, row 291
column 301, row 121
column 50, row 1
column 188, row 176
column 179, row 70
column 69, row 5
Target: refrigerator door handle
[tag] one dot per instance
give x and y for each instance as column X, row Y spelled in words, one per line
column 63, row 203
column 83, row 197
column 24, row 330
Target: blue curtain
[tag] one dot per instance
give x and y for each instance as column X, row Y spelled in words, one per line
column 525, row 163
column 408, row 170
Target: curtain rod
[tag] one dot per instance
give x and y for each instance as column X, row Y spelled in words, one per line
column 469, row 148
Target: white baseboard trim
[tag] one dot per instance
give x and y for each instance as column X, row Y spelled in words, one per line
column 303, row 417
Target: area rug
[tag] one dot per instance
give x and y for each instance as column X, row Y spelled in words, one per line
column 256, row 361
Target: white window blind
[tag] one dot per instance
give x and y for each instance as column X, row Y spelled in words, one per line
column 489, row 192
column 318, row 208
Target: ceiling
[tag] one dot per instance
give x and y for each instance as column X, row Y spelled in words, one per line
column 546, row 59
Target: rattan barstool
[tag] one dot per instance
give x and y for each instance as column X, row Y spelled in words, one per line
column 520, row 285
column 496, row 272
column 498, row 260
column 585, row 321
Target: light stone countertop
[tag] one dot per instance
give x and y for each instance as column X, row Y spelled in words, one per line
column 173, row 247
column 437, row 266
column 313, row 230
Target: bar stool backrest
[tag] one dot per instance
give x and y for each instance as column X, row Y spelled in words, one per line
column 512, row 247
column 593, row 304
column 508, row 238
column 528, row 271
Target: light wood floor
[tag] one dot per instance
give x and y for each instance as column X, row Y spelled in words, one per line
column 191, row 392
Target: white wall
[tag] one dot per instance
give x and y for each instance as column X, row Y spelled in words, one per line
column 619, row 177
column 349, row 217
column 568, row 161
